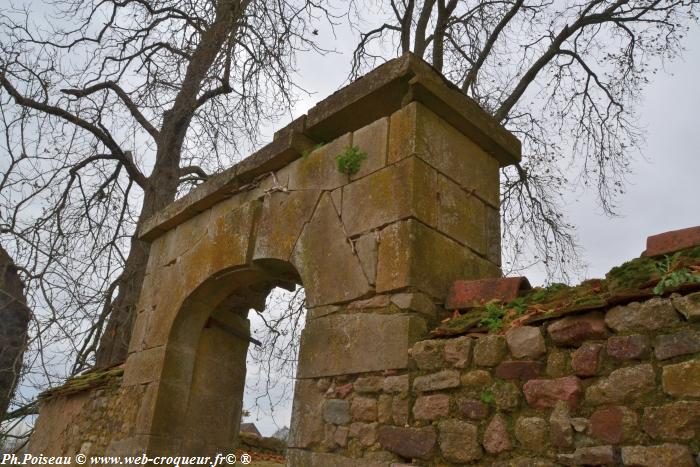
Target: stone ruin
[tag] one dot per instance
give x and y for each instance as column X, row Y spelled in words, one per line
column 573, row 376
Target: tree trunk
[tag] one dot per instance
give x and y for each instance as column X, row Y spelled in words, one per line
column 162, row 184
column 161, row 191
column 14, row 321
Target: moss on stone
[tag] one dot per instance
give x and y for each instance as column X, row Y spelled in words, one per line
column 632, row 275
column 634, row 279
column 461, row 324
column 89, row 380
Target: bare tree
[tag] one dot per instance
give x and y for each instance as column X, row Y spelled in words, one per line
column 564, row 76
column 110, row 108
column 14, row 324
column 275, row 358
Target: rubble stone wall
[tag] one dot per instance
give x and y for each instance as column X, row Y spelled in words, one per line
column 618, row 386
column 90, row 420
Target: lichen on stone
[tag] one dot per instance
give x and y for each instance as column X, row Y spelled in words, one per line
column 89, row 380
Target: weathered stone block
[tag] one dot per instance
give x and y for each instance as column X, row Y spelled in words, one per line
column 474, row 409
column 321, row 247
column 164, row 307
column 493, row 235
column 373, row 140
column 675, row 421
column 458, row 351
column 679, row 343
column 461, row 215
column 586, row 359
column 399, row 410
column 428, row 354
column 506, row 395
column 558, row 363
column 682, row 379
column 445, row 379
column 476, row 379
column 138, row 333
column 613, row 424
column 408, row 258
column 532, row 433
column 396, row 384
column 652, row 315
column 489, row 350
column 340, row 437
column 323, row 310
column 367, row 248
column 368, row 384
column 594, row 455
column 342, row 391
column 318, row 170
column 543, row 393
column 574, row 330
column 144, row 367
column 384, row 408
column 518, row 369
column 357, row 343
column 622, row 385
column 561, row 432
column 431, row 407
column 408, row 442
column 635, row 346
column 416, row 130
column 282, row 218
column 229, row 239
column 336, row 411
column 396, row 192
column 363, row 409
column 418, row 302
column 365, row 433
column 688, row 306
column 663, row 455
column 526, row 342
column 459, row 441
column 337, row 198
column 307, row 422
column 496, row 437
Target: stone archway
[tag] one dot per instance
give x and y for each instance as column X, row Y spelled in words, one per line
column 216, row 269
column 375, row 250
column 199, row 394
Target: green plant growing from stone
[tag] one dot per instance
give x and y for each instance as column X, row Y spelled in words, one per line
column 672, row 276
column 349, row 161
column 493, row 317
column 486, row 397
column 518, row 305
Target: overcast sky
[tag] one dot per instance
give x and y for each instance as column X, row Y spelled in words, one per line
column 662, row 193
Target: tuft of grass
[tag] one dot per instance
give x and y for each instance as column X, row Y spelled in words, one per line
column 487, row 397
column 350, row 160
column 493, row 317
column 673, row 275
